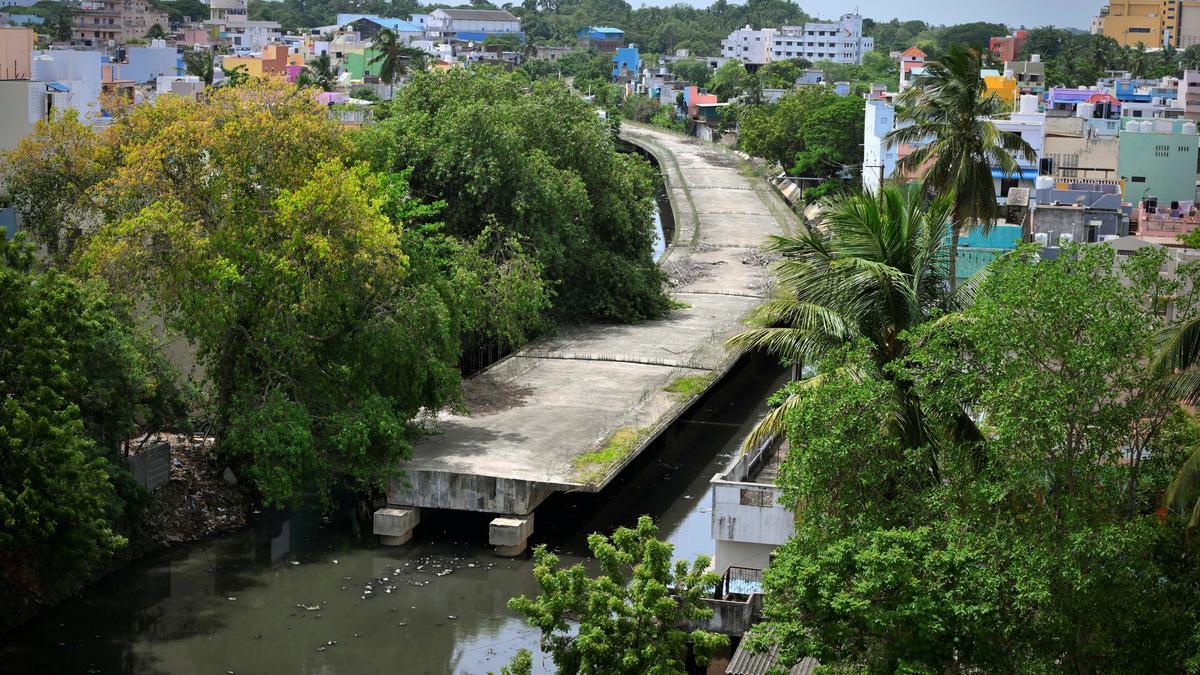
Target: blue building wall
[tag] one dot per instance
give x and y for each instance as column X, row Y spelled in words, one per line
column 976, row 250
column 627, row 57
column 600, row 33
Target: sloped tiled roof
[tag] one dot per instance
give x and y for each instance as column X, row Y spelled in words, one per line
column 746, row 663
column 913, row 51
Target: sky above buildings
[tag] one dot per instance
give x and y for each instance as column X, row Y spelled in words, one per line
column 1030, row 13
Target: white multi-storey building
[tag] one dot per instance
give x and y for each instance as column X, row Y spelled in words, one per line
column 841, row 41
column 748, row 45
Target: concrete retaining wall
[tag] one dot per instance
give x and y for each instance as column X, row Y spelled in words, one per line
column 152, row 466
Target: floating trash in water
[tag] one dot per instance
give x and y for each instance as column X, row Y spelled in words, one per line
column 335, row 562
column 444, row 572
column 311, row 608
column 231, row 598
column 452, row 617
column 295, row 562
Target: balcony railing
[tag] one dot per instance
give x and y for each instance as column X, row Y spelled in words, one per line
column 738, row 583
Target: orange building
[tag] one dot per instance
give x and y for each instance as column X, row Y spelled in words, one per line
column 274, row 61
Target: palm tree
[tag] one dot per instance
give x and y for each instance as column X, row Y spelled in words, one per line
column 394, row 58
column 200, row 64
column 949, row 111
column 321, row 73
column 1178, row 362
column 873, row 268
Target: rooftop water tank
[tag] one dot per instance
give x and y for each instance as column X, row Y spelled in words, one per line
column 1041, row 238
column 1133, row 126
column 1157, row 101
column 42, row 68
column 1188, row 128
column 1147, row 127
column 1043, row 183
column 1029, row 104
column 1163, row 126
column 1065, row 238
column 1085, row 110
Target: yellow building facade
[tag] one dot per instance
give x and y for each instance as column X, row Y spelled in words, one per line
column 1154, row 23
column 1005, row 88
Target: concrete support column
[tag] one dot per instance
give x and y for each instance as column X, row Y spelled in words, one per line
column 395, row 524
column 509, row 534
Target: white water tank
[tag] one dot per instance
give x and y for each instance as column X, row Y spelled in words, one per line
column 1163, row 126
column 1041, row 238
column 1109, row 237
column 1065, row 238
column 1085, row 110
column 1157, row 101
column 42, row 68
column 1036, row 58
column 1029, row 104
column 1188, row 128
column 1043, row 183
column 1147, row 127
column 1133, row 126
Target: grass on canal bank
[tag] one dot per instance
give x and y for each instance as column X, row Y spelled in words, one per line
column 690, row 385
column 593, row 466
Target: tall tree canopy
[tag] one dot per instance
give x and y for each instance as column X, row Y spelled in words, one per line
column 76, row 380
column 1037, row 547
column 531, row 160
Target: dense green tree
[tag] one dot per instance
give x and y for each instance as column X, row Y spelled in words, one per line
column 810, row 132
column 156, row 32
column 76, row 380
column 783, row 74
column 691, row 70
column 957, row 143
column 730, row 80
column 47, row 179
column 1034, row 548
column 285, row 267
column 533, row 160
column 628, row 619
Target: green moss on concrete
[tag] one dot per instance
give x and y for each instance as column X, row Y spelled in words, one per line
column 593, row 466
column 689, row 385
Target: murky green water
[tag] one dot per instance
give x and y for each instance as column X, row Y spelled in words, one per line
column 288, row 595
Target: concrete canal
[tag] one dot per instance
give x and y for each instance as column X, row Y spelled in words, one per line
column 289, row 594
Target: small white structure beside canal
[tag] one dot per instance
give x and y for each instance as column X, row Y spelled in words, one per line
column 748, row 520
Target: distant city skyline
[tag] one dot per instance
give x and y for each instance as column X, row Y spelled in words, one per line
column 1029, row 13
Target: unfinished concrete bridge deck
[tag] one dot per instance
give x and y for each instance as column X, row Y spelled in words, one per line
column 584, row 403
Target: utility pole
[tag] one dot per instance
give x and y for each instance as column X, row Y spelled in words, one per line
column 879, row 190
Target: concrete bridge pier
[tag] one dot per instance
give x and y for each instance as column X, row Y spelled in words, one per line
column 395, row 524
column 510, row 534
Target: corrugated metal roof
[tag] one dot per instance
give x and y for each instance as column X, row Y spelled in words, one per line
column 478, row 14
column 746, row 663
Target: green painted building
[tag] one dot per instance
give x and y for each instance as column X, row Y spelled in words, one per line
column 359, row 65
column 1158, row 159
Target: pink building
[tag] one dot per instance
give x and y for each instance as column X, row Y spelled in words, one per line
column 1165, row 224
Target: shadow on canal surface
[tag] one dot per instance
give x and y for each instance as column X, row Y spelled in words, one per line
column 288, row 595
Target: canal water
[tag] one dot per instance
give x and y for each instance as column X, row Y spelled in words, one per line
column 289, row 594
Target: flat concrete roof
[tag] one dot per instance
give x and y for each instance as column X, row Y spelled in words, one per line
column 583, row 403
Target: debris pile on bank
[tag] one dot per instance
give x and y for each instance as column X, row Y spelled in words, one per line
column 202, row 498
